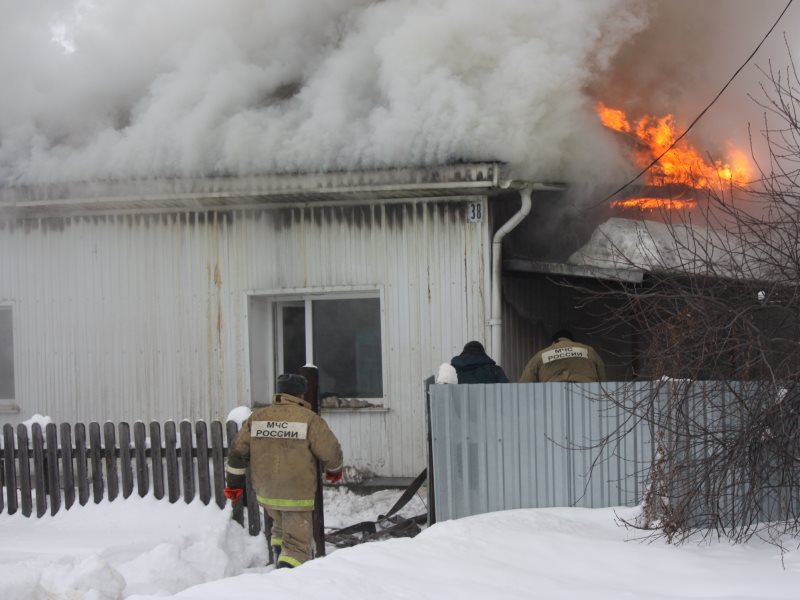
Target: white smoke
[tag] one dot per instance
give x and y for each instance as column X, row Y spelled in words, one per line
column 119, row 89
column 157, row 88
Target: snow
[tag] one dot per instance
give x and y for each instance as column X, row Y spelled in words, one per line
column 446, row 374
column 650, row 245
column 43, row 421
column 142, row 548
column 239, row 414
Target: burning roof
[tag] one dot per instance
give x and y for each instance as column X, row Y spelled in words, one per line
column 680, row 165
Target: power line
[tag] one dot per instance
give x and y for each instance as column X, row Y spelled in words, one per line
column 705, row 110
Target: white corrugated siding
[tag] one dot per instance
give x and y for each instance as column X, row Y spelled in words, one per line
column 144, row 317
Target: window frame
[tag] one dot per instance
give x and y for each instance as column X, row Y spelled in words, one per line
column 277, row 343
column 287, row 297
column 9, row 405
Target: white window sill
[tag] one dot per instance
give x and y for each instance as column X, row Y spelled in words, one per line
column 343, row 409
column 337, row 403
column 8, row 407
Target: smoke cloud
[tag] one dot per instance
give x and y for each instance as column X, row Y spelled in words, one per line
column 160, row 88
column 687, row 53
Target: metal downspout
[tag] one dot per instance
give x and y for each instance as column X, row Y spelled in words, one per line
column 496, row 321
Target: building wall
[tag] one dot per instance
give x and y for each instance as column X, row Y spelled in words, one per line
column 139, row 317
column 536, row 305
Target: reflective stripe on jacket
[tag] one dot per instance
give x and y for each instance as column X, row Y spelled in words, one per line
column 280, row 443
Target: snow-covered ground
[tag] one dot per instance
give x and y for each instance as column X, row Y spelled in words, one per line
column 142, row 548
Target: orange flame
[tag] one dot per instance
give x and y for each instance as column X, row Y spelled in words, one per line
column 682, row 164
column 613, row 118
column 655, row 203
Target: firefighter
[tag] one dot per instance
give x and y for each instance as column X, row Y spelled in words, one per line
column 281, row 442
column 565, row 360
column 473, row 365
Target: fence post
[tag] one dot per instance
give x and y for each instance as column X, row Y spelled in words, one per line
column 318, row 515
column 429, row 443
column 203, row 482
column 10, row 471
column 109, row 438
column 97, row 464
column 81, row 464
column 53, row 482
column 156, row 458
column 23, row 452
column 253, row 508
column 140, row 451
column 66, row 465
column 218, row 458
column 125, row 466
column 187, row 464
column 39, row 469
column 170, row 443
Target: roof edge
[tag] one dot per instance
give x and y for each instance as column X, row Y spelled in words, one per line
column 480, row 175
column 572, row 270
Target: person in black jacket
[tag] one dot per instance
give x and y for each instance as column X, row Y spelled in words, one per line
column 474, row 366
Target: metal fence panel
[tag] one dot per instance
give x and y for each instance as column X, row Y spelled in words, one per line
column 505, row 446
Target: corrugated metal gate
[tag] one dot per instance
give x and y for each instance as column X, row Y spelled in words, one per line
column 505, row 446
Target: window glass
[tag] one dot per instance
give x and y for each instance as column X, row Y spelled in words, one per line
column 347, row 347
column 294, row 338
column 6, row 355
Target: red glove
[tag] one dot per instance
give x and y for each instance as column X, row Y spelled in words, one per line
column 333, row 477
column 233, row 494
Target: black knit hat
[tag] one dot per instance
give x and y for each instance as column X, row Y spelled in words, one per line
column 473, row 348
column 289, row 383
column 563, row 333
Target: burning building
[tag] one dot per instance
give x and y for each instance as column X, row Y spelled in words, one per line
column 185, row 298
column 176, row 231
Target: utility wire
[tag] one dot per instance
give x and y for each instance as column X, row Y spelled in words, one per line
column 705, row 110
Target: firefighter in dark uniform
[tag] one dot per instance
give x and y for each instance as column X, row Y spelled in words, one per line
column 473, row 365
column 280, row 442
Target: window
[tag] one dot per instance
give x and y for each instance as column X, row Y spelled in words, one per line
column 6, row 354
column 341, row 336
